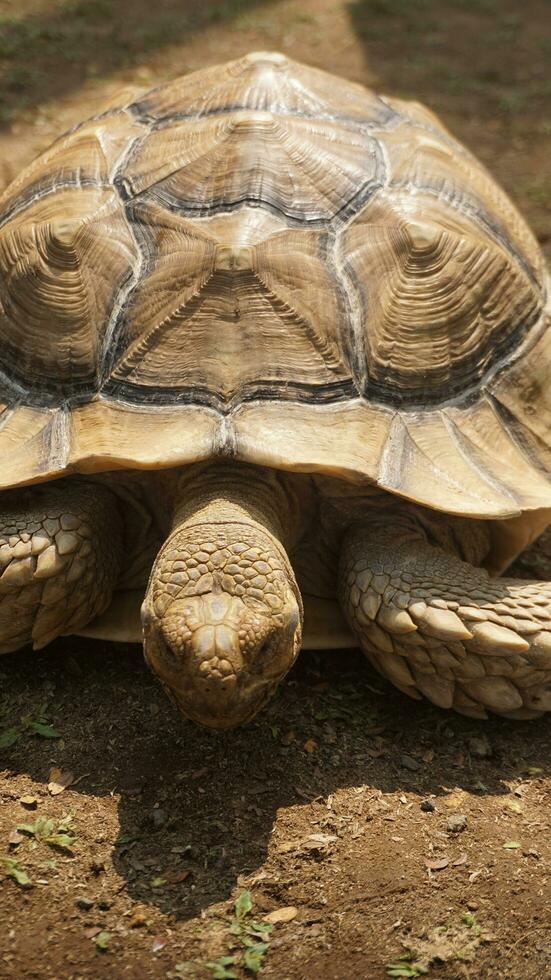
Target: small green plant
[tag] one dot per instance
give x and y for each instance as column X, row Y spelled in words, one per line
column 219, row 968
column 470, row 921
column 32, row 724
column 102, row 940
column 48, row 831
column 250, row 936
column 406, row 966
column 12, row 869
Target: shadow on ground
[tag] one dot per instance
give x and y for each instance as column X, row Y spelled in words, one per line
column 483, row 57
column 192, row 801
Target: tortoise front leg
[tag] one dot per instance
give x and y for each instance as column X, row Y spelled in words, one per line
column 60, row 555
column 437, row 625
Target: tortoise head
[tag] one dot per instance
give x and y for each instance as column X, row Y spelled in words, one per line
column 222, row 622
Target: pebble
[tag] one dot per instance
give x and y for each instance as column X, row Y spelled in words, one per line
column 409, row 763
column 427, row 806
column 138, row 919
column 480, row 747
column 158, row 818
column 84, row 903
column 456, row 823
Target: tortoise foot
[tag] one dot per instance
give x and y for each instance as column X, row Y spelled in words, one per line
column 440, row 627
column 60, row 554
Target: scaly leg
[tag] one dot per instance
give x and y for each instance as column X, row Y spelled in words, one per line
column 437, row 625
column 60, row 555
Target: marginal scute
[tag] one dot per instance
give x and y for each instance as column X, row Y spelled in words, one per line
column 421, row 452
column 485, row 438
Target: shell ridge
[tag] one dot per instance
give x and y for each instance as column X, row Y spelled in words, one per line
column 466, row 448
column 479, row 217
column 515, row 427
column 391, row 460
column 60, row 439
column 146, row 342
column 327, row 350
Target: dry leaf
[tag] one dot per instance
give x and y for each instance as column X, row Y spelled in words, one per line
column 159, row 942
column 30, row 801
column 460, row 860
column 454, row 800
column 178, row 876
column 281, row 915
column 199, row 773
column 59, row 780
column 436, row 864
column 309, row 746
column 322, row 838
column 287, row 738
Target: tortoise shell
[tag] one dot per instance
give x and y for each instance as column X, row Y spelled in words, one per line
column 265, row 262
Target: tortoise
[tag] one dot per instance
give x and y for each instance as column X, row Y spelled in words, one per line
column 270, row 338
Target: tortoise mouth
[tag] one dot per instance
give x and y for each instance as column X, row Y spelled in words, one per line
column 210, row 691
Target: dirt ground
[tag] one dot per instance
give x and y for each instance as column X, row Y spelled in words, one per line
column 390, row 838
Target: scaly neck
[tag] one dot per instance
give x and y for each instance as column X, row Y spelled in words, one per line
column 228, row 493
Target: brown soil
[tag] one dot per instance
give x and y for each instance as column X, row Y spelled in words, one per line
column 172, row 823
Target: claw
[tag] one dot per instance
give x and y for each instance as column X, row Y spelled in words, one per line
column 440, row 690
column 496, row 640
column 370, row 604
column 395, row 620
column 442, row 623
column 496, row 693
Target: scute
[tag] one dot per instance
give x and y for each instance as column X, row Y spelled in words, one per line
column 192, row 324
column 446, row 300
column 266, row 81
column 89, row 155
column 63, row 262
column 306, row 169
column 264, row 262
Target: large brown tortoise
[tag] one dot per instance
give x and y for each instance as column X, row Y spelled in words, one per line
column 269, row 338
